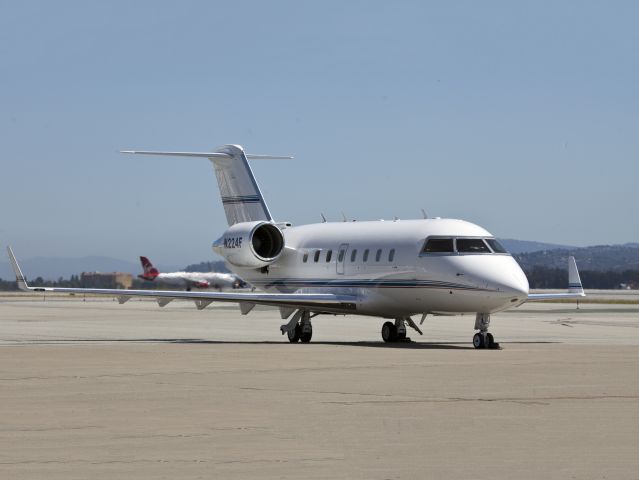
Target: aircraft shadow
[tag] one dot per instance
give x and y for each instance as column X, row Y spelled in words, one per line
column 201, row 341
column 366, row 344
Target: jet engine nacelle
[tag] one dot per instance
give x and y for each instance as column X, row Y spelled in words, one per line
column 250, row 244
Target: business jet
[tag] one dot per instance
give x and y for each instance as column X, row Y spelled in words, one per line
column 393, row 270
column 190, row 280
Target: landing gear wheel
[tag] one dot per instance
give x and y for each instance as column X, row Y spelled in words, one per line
column 305, row 337
column 490, row 341
column 295, row 334
column 389, row 332
column 478, row 341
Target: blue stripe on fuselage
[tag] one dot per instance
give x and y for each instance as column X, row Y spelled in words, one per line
column 368, row 283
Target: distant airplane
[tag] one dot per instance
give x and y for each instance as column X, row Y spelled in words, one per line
column 386, row 269
column 189, row 280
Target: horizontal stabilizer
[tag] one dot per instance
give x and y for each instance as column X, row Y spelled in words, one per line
column 241, row 197
column 250, row 156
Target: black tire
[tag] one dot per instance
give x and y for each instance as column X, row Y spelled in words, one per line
column 305, row 337
column 389, row 332
column 295, row 335
column 490, row 340
column 478, row 341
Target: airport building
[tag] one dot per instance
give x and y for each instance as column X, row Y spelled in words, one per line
column 106, row 280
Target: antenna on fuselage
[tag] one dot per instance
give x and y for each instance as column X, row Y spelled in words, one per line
column 424, row 214
column 323, row 218
column 344, row 217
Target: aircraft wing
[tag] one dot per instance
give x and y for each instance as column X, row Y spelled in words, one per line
column 324, row 302
column 575, row 289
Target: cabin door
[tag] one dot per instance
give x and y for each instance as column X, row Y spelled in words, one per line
column 341, row 258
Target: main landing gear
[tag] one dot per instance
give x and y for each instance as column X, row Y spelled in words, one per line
column 299, row 328
column 396, row 332
column 483, row 339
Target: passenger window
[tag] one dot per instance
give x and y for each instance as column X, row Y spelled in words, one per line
column 329, row 254
column 472, row 245
column 316, row 257
column 365, row 256
column 353, row 255
column 378, row 255
column 305, row 257
column 439, row 245
column 391, row 255
column 496, row 246
column 340, row 257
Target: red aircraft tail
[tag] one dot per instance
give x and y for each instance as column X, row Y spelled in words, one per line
column 150, row 272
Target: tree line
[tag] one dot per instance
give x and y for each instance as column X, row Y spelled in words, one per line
column 545, row 277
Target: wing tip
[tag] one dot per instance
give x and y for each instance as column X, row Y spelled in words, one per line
column 20, row 278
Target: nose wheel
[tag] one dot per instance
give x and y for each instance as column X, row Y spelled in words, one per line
column 483, row 339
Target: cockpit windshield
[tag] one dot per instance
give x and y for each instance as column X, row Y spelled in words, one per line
column 444, row 245
column 439, row 245
column 472, row 245
column 496, row 246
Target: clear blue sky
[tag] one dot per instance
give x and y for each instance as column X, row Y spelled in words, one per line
column 520, row 116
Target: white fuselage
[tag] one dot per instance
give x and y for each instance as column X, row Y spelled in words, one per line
column 212, row 280
column 401, row 280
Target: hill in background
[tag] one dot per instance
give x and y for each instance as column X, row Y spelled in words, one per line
column 524, row 246
column 614, row 258
column 217, row 266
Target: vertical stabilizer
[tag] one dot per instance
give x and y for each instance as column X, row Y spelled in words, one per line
column 150, row 272
column 241, row 197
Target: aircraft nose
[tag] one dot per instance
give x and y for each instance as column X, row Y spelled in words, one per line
column 505, row 277
column 513, row 282
column 519, row 286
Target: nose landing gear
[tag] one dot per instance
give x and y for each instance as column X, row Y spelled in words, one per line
column 483, row 339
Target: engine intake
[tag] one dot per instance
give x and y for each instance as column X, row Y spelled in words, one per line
column 250, row 244
column 267, row 241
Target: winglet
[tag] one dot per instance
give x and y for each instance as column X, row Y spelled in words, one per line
column 22, row 282
column 574, row 281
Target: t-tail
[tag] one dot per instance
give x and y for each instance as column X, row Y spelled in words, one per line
column 150, row 272
column 241, row 196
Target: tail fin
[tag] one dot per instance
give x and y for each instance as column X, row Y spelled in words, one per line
column 150, row 272
column 241, row 197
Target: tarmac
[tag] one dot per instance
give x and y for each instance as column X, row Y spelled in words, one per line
column 93, row 389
